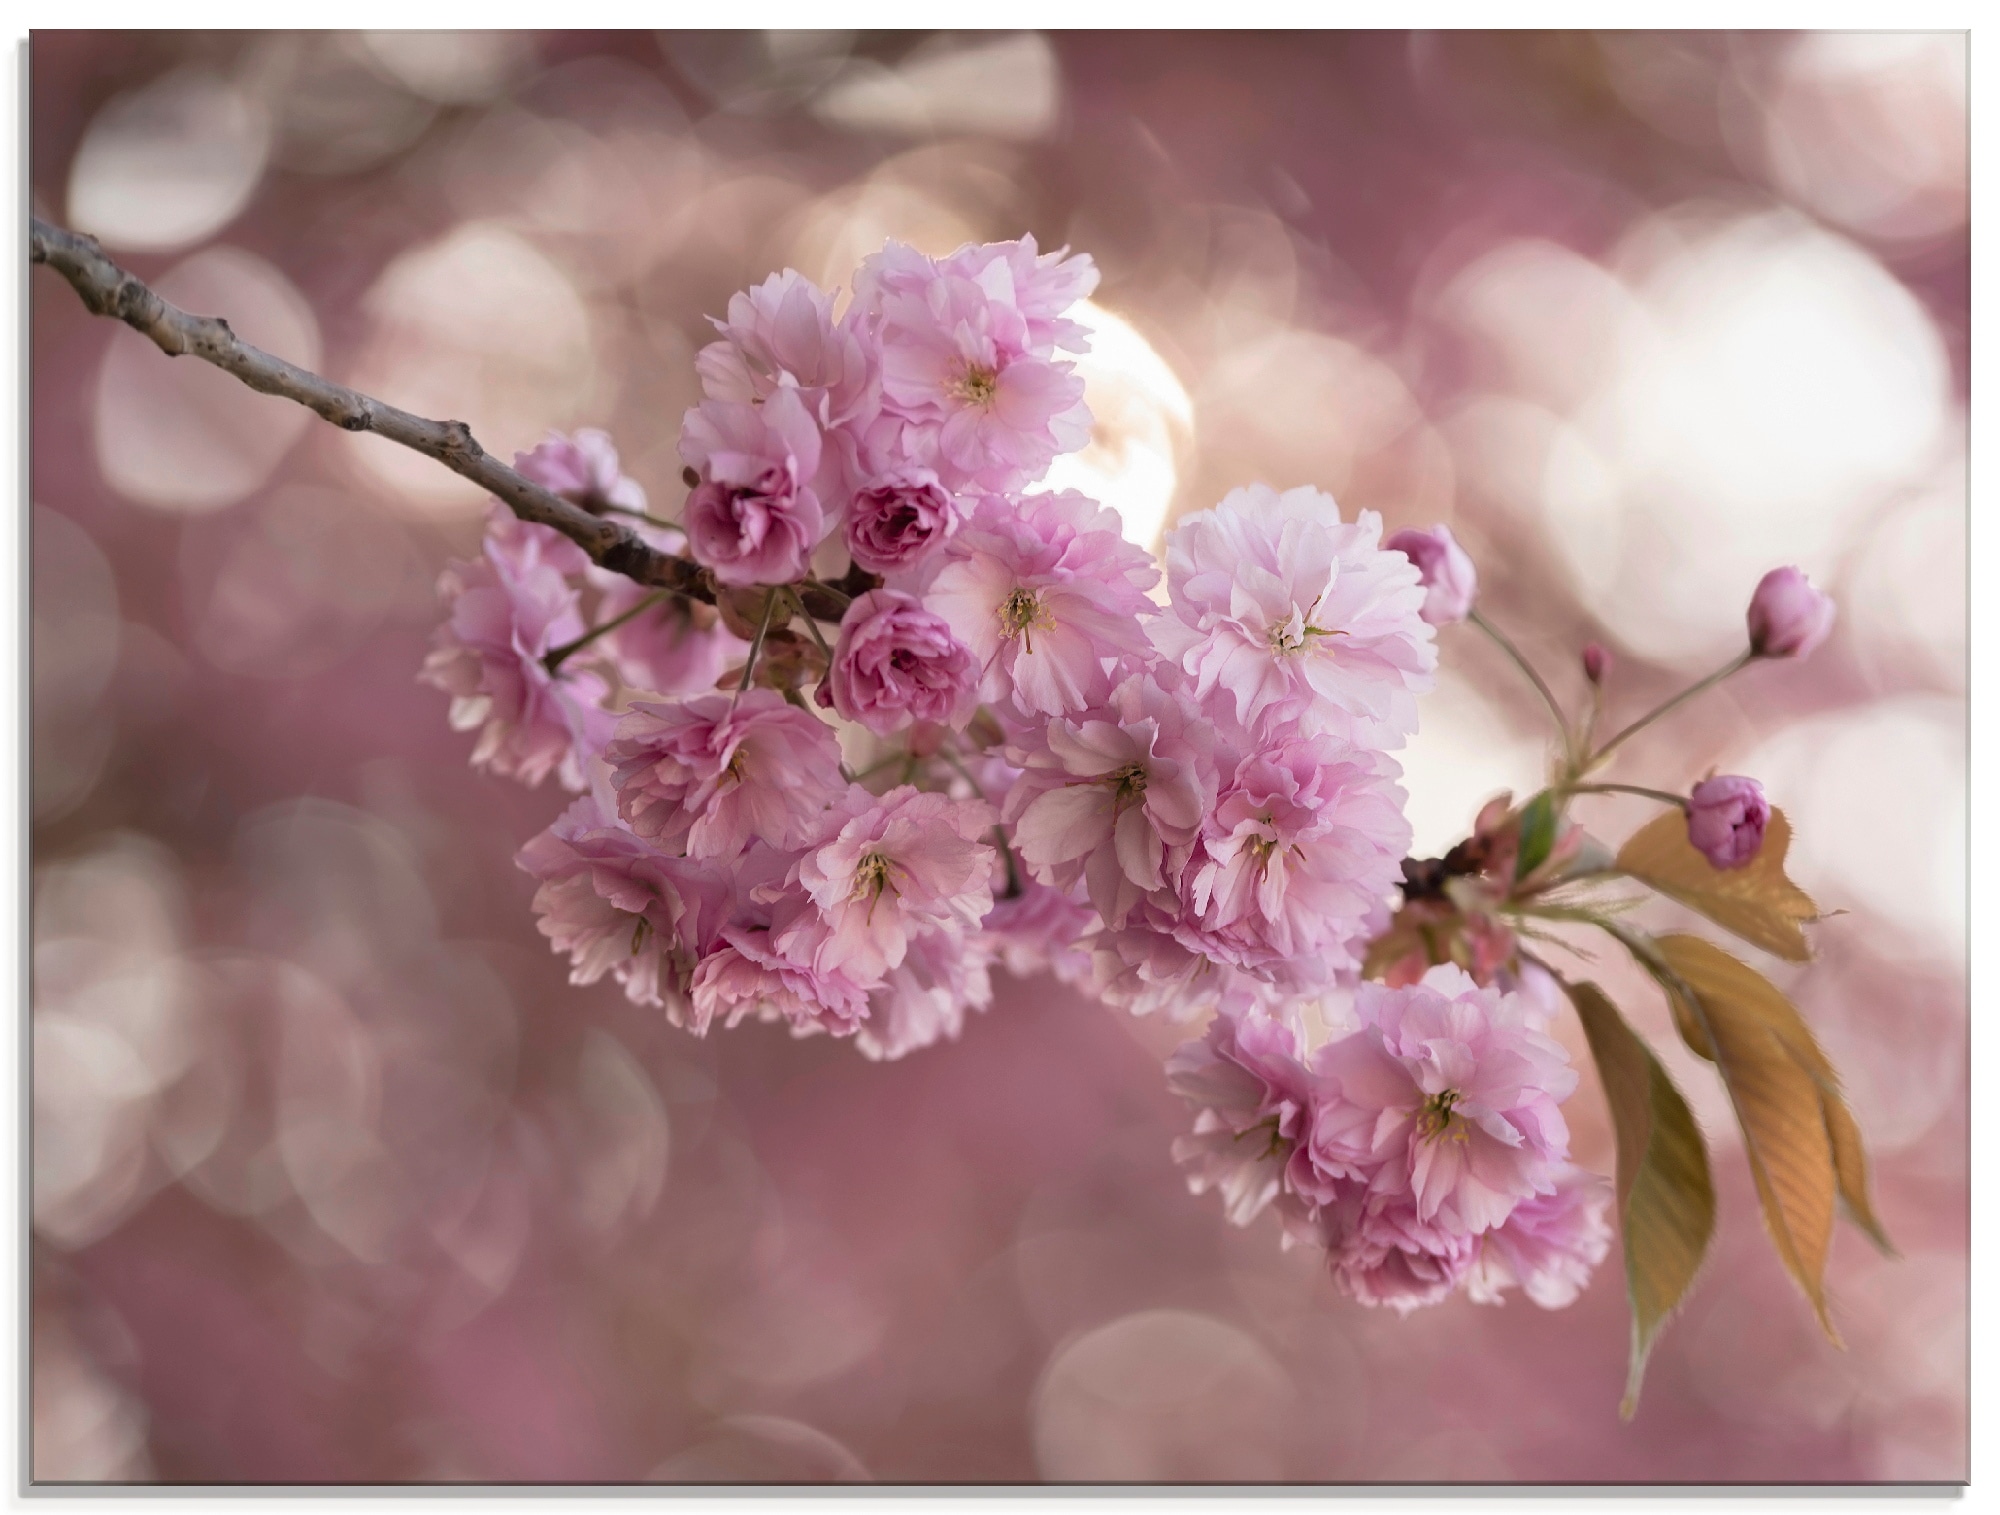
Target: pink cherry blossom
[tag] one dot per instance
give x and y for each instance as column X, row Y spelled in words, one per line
column 1115, row 797
column 1042, row 286
column 782, row 333
column 1381, row 1253
column 754, row 517
column 898, row 519
column 1298, row 856
column 896, row 663
column 1450, row 581
column 969, row 384
column 923, row 1000
column 616, row 904
column 1253, row 1102
column 883, row 870
column 1039, row 929
column 1788, row 617
column 509, row 609
column 1048, row 596
column 712, row 772
column 1299, row 616
column 583, row 468
column 1549, row 1246
column 746, row 976
column 1450, row 1098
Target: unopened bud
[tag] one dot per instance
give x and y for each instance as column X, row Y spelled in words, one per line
column 1788, row 618
column 1726, row 819
column 1597, row 661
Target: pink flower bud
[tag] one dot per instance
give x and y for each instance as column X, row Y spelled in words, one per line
column 1597, row 662
column 1726, row 819
column 1450, row 580
column 1788, row 617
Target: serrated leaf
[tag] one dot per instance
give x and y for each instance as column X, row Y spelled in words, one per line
column 1757, row 901
column 1538, row 834
column 1666, row 1198
column 1850, row 1166
column 1763, row 1052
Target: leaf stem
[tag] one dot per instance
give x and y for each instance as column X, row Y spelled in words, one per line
column 1520, row 661
column 1734, row 665
column 757, row 645
column 557, row 655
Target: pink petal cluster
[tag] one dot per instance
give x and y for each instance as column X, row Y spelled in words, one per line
column 708, row 774
column 1424, row 1150
column 1450, row 581
column 583, row 468
column 1298, row 615
column 897, row 662
column 508, row 609
column 1049, row 597
column 754, row 517
column 1726, row 818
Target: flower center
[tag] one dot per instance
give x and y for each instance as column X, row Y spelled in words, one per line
column 977, row 385
column 1020, row 613
column 1129, row 782
column 871, row 876
column 1436, row 1119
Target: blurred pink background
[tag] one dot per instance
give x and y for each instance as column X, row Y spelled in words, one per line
column 337, row 1179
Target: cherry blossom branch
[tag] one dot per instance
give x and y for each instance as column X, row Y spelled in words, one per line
column 108, row 290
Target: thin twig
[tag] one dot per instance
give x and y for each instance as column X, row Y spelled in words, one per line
column 1520, row 661
column 1734, row 665
column 756, row 645
column 108, row 290
column 1676, row 800
column 557, row 656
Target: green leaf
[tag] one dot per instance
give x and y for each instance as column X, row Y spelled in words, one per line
column 1666, row 1199
column 1757, row 901
column 1538, row 834
column 1774, row 1072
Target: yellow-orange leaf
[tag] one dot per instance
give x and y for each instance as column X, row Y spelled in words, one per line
column 1757, row 901
column 1765, row 1053
column 1666, row 1200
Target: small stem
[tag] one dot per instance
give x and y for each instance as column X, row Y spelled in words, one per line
column 1676, row 800
column 812, row 626
column 1596, row 759
column 757, row 645
column 1520, row 661
column 556, row 655
column 963, row 772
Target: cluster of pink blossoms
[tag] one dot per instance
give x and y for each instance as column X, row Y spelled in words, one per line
column 1423, row 1149
column 1002, row 750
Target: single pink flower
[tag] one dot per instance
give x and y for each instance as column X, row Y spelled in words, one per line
column 782, row 334
column 923, row 1000
column 582, row 468
column 1788, row 617
column 883, row 870
column 1298, row 855
column 1450, row 581
column 1726, row 819
column 896, row 663
column 1381, row 1253
column 970, row 386
column 1115, row 797
column 1253, row 1100
column 1298, row 616
column 1549, row 1246
column 754, row 517
column 1049, row 597
column 712, row 772
column 746, row 976
column 616, row 904
column 509, row 609
column 898, row 519
column 1448, row 1096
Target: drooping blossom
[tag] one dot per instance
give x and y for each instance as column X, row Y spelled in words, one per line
column 923, row 1000
column 1298, row 615
column 509, row 609
column 614, row 903
column 1549, row 1247
column 896, row 662
column 1448, row 1096
column 1381, row 1252
column 884, row 870
column 1115, row 797
column 1039, row 929
column 710, row 773
column 1048, row 596
column 745, row 976
column 1450, row 581
column 1788, row 617
column 754, row 517
column 583, row 468
column 1726, row 817
column 1298, row 856
column 782, row 334
column 1253, row 1100
column 970, row 384
column 898, row 519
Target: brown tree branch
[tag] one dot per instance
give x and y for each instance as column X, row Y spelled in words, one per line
column 108, row 290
